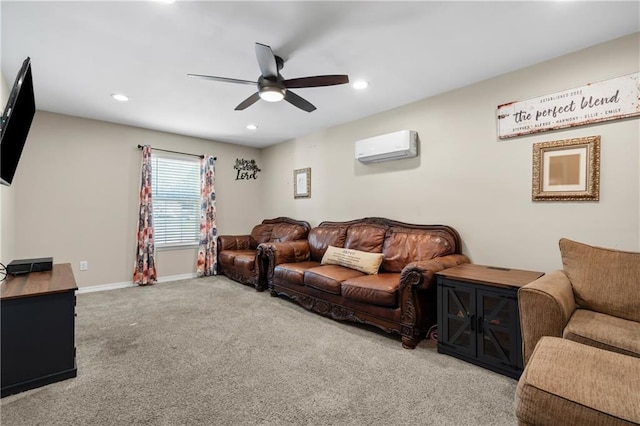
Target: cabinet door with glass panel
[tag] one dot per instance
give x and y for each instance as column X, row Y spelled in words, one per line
column 456, row 325
column 498, row 323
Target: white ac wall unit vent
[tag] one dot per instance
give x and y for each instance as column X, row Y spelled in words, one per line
column 392, row 146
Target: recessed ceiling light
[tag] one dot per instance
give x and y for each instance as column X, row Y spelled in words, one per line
column 360, row 84
column 120, row 97
column 252, row 126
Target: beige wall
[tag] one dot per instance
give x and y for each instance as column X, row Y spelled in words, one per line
column 75, row 192
column 7, row 202
column 76, row 195
column 466, row 177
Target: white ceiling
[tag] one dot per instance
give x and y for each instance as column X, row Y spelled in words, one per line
column 81, row 52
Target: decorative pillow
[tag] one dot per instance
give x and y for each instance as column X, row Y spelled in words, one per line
column 603, row 280
column 362, row 261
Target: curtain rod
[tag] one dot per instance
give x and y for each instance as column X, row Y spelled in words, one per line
column 176, row 152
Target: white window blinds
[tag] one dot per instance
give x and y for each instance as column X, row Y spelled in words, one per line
column 175, row 185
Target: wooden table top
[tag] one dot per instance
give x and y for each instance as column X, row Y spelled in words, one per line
column 57, row 280
column 491, row 275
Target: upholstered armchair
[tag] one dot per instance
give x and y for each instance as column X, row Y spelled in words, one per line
column 240, row 257
column 594, row 300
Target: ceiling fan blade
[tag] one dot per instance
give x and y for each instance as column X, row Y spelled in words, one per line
column 296, row 100
column 248, row 102
column 222, row 79
column 316, row 81
column 266, row 61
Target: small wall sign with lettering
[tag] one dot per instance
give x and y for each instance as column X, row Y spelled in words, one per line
column 246, row 169
column 607, row 100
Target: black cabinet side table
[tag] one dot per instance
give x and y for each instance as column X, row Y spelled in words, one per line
column 37, row 321
column 478, row 317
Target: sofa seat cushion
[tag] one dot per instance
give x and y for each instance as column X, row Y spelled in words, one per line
column 293, row 272
column 567, row 383
column 604, row 331
column 380, row 289
column 329, row 277
column 235, row 257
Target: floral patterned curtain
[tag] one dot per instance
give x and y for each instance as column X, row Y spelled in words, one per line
column 207, row 253
column 145, row 268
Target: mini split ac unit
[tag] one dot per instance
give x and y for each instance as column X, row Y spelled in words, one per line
column 392, row 146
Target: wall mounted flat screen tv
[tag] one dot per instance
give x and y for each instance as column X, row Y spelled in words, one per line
column 16, row 121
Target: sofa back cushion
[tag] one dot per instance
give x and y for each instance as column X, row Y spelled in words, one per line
column 405, row 245
column 603, row 280
column 365, row 237
column 261, row 234
column 276, row 232
column 322, row 237
column 282, row 232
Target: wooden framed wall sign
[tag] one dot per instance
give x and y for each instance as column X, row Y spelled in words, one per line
column 302, row 183
column 593, row 103
column 567, row 170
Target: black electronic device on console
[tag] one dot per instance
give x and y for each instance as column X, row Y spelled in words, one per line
column 24, row 266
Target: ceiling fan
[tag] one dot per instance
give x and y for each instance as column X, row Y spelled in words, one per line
column 272, row 87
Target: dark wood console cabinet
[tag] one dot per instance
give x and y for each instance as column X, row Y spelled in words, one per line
column 37, row 314
column 478, row 317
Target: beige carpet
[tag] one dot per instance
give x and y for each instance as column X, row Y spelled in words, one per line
column 213, row 352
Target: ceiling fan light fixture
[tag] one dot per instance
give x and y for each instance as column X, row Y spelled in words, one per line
column 272, row 93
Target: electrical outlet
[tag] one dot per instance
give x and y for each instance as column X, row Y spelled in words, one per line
column 84, row 265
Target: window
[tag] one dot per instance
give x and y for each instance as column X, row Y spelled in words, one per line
column 175, row 186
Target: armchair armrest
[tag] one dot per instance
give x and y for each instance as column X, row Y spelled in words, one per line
column 417, row 292
column 283, row 252
column 545, row 308
column 234, row 242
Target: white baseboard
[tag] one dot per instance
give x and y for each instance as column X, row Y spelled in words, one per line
column 177, row 277
column 115, row 286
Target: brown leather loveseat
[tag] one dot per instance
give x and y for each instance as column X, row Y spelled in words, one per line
column 240, row 256
column 400, row 297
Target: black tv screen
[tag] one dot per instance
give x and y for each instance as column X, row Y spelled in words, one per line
column 16, row 121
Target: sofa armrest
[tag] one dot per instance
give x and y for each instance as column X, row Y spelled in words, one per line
column 234, row 242
column 277, row 253
column 545, row 307
column 421, row 274
column 418, row 297
column 287, row 252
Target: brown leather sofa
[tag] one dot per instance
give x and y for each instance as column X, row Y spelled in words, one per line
column 401, row 298
column 240, row 256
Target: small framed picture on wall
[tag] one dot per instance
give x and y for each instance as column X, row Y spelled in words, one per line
column 302, row 183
